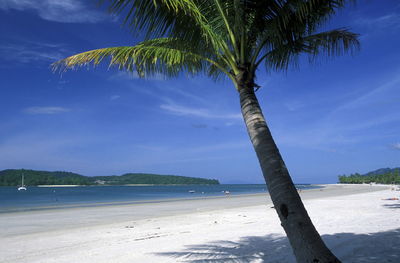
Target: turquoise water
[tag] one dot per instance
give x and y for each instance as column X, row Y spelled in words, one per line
column 38, row 198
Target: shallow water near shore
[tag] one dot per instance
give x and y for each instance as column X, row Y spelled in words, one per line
column 37, row 198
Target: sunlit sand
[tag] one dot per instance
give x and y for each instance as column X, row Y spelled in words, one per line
column 358, row 222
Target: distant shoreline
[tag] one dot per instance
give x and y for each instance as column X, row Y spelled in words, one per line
column 82, row 185
column 57, row 185
column 11, row 177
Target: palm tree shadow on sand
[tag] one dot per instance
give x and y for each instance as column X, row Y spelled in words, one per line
column 349, row 247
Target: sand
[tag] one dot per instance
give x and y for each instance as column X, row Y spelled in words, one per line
column 354, row 220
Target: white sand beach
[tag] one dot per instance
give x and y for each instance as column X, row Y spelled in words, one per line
column 356, row 221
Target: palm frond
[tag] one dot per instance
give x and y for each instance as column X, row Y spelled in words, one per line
column 331, row 43
column 167, row 56
column 285, row 21
column 310, row 13
column 183, row 19
column 219, row 36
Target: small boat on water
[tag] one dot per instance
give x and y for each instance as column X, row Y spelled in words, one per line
column 22, row 187
column 192, row 191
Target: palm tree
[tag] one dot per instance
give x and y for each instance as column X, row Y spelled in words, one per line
column 233, row 38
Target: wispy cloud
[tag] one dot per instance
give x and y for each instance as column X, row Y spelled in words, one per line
column 21, row 54
column 185, row 94
column 26, row 51
column 336, row 131
column 361, row 118
column 197, row 112
column 391, row 20
column 396, row 146
column 65, row 11
column 45, row 110
column 115, row 97
column 372, row 95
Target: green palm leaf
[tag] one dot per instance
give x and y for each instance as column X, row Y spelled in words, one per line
column 159, row 17
column 167, row 56
column 223, row 35
column 331, row 43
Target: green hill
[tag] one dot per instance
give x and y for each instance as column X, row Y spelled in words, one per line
column 12, row 177
column 139, row 178
column 381, row 176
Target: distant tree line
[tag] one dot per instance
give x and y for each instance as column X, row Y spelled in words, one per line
column 12, row 177
column 390, row 176
column 137, row 178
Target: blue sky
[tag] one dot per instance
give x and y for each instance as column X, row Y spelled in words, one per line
column 337, row 116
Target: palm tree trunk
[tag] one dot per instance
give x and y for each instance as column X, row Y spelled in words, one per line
column 308, row 247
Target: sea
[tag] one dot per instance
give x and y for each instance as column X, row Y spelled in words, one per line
column 42, row 198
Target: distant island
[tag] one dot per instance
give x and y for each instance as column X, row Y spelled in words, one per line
column 12, row 177
column 380, row 176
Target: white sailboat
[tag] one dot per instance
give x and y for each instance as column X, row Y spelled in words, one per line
column 22, row 187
